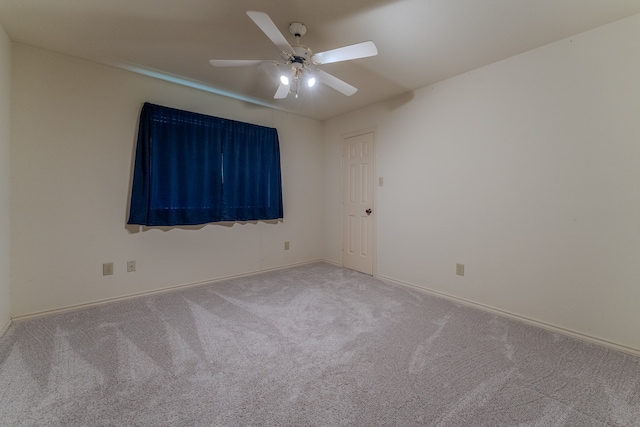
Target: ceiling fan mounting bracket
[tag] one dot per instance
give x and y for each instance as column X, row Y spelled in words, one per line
column 298, row 29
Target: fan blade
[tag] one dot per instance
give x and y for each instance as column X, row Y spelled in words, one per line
column 275, row 70
column 236, row 62
column 267, row 26
column 336, row 83
column 354, row 51
column 282, row 92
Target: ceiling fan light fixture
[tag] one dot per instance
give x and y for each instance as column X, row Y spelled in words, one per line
column 297, row 67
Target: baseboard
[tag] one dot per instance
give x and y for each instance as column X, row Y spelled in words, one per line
column 574, row 334
column 155, row 291
column 335, row 264
column 4, row 326
column 547, row 326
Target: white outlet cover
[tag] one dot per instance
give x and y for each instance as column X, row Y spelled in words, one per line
column 107, row 269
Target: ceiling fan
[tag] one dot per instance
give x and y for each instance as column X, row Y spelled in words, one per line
column 299, row 62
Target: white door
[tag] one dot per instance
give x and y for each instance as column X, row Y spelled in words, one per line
column 358, row 161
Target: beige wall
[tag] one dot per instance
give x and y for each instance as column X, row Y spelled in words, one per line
column 74, row 129
column 5, row 227
column 528, row 172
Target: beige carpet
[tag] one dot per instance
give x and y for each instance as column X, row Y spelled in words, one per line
column 314, row 345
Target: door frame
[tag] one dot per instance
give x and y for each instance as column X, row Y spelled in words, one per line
column 374, row 182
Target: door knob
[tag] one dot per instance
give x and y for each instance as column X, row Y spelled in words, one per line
column 368, row 211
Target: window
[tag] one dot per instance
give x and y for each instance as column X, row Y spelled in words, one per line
column 194, row 169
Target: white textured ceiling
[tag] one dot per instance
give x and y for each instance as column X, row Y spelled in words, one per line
column 419, row 41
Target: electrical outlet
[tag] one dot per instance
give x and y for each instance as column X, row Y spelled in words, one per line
column 107, row 269
column 286, row 246
column 131, row 266
column 460, row 269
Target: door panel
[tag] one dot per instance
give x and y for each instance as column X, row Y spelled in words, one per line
column 357, row 202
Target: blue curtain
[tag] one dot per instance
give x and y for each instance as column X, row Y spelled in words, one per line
column 194, row 169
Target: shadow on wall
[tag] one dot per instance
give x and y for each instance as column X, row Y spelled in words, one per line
column 398, row 101
column 133, row 228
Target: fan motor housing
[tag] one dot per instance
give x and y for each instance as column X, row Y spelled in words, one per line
column 301, row 55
